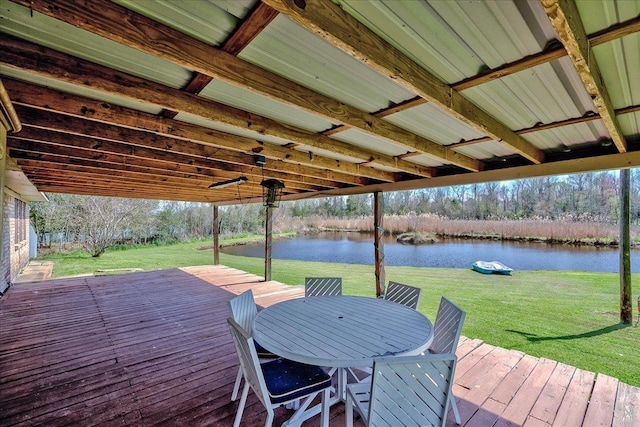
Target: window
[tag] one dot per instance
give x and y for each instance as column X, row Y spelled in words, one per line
column 20, row 224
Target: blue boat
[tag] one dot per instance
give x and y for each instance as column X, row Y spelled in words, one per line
column 490, row 267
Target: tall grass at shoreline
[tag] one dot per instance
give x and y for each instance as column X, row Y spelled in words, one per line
column 552, row 231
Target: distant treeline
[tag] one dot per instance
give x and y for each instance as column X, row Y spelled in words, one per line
column 97, row 223
column 579, row 197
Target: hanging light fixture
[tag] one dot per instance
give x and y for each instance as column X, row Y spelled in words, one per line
column 271, row 192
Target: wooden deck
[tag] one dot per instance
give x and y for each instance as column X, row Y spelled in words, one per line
column 153, row 348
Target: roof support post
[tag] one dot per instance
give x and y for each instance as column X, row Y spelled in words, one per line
column 216, row 236
column 626, row 313
column 378, row 215
column 268, row 230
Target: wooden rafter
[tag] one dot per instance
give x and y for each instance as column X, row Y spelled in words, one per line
column 94, row 145
column 106, row 19
column 46, row 99
column 552, row 52
column 565, row 18
column 257, row 20
column 49, row 63
column 330, row 22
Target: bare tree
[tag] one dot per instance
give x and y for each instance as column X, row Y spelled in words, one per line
column 106, row 221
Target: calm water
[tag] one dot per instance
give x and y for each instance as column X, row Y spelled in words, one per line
column 356, row 248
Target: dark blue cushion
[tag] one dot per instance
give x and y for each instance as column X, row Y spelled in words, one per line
column 263, row 352
column 287, row 380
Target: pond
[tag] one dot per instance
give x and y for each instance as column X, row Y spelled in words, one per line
column 357, row 248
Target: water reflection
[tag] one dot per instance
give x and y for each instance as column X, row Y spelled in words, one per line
column 357, row 248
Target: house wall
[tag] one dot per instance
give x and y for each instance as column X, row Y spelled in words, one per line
column 14, row 211
column 15, row 238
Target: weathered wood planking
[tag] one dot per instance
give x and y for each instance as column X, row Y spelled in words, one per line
column 153, row 348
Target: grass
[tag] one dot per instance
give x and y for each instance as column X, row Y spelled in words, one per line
column 568, row 316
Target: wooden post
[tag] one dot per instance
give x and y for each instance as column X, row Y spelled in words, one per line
column 216, row 236
column 626, row 312
column 267, row 243
column 378, row 214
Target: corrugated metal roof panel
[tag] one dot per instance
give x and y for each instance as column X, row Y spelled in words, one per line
column 35, row 27
column 630, row 124
column 287, row 50
column 619, row 63
column 543, row 94
column 247, row 100
column 572, row 135
column 371, row 142
column 431, row 122
column 79, row 90
column 453, row 39
column 486, row 150
column 598, row 15
column 424, row 160
column 618, row 60
column 326, row 153
column 205, row 20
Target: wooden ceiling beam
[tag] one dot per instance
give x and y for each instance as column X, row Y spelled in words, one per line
column 124, row 193
column 29, row 95
column 41, row 163
column 32, row 161
column 550, row 53
column 333, row 24
column 157, row 146
column 257, row 20
column 124, row 26
column 27, row 56
column 250, row 28
column 565, row 18
column 24, row 149
column 74, row 146
column 133, row 191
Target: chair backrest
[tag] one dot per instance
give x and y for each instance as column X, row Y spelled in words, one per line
column 322, row 286
column 411, row 390
column 448, row 326
column 243, row 310
column 403, row 294
column 249, row 363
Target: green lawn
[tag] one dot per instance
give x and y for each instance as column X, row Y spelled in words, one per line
column 571, row 317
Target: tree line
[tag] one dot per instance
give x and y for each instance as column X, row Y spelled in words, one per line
column 97, row 223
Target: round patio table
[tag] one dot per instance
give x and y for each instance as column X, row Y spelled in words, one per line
column 340, row 332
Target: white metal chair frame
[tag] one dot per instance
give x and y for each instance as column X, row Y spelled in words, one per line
column 254, row 378
column 322, row 286
column 404, row 390
column 243, row 310
column 446, row 334
column 403, row 294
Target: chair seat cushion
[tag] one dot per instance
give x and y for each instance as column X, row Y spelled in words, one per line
column 288, row 380
column 263, row 353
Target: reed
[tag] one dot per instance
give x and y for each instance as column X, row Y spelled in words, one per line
column 545, row 230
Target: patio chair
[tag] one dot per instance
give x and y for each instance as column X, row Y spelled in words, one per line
column 243, row 310
column 404, row 391
column 322, row 286
column 278, row 382
column 403, row 294
column 446, row 334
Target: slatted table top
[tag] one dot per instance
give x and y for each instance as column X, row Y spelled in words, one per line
column 341, row 331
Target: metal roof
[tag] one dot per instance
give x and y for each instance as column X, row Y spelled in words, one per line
column 160, row 99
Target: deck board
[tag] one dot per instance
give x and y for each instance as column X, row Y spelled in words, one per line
column 153, row 349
